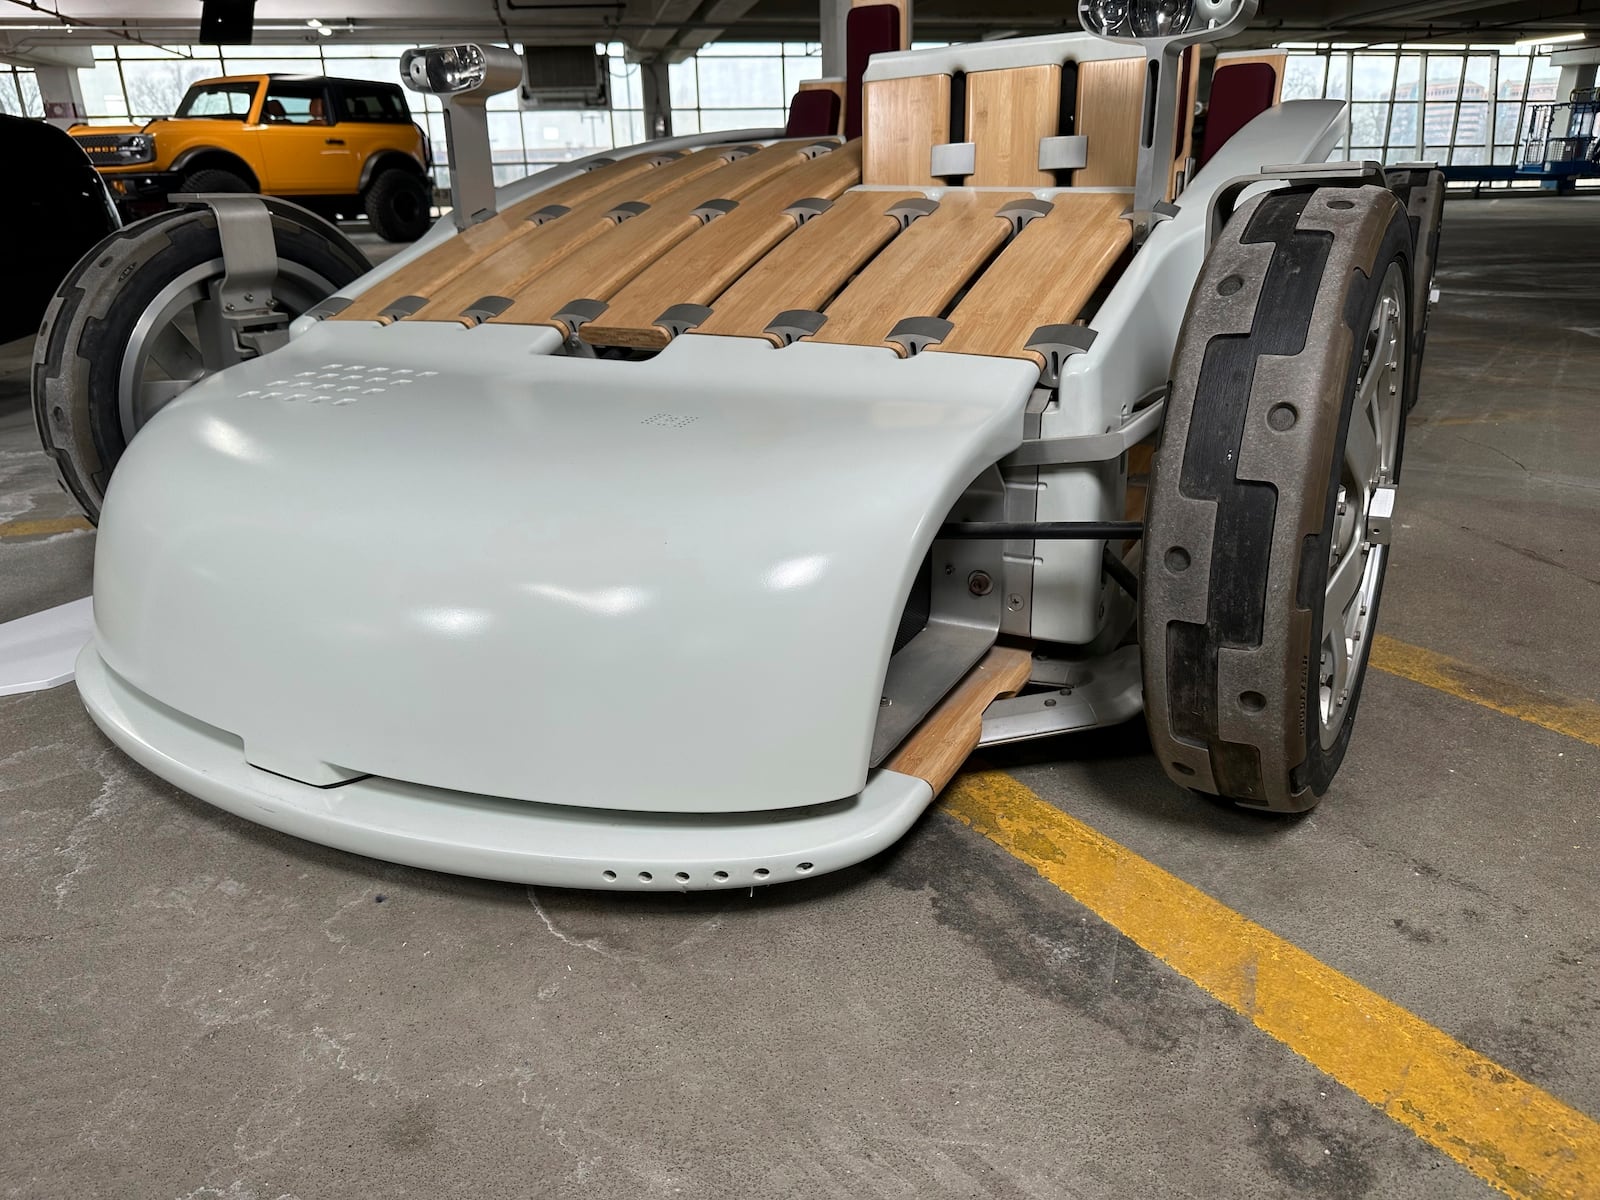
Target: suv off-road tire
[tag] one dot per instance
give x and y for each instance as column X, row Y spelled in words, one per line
column 399, row 205
column 213, row 179
column 1247, row 484
column 1421, row 193
column 79, row 355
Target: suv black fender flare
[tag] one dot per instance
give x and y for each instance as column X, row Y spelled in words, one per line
column 383, row 160
column 215, row 156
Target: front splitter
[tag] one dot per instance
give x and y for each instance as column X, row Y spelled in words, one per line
column 560, row 845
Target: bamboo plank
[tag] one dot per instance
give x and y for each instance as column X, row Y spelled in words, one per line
column 605, row 188
column 535, row 248
column 1044, row 277
column 1110, row 108
column 938, row 747
column 921, row 271
column 904, row 119
column 807, row 268
column 597, row 269
column 711, row 259
column 1007, row 113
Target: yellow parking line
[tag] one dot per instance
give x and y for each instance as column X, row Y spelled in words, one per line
column 1502, row 1128
column 22, row 529
column 1576, row 718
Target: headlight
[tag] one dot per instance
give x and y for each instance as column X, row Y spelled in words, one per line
column 136, row 148
column 457, row 70
column 1161, row 18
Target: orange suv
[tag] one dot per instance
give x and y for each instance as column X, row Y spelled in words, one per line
column 342, row 147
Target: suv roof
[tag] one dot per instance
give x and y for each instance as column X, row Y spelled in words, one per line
column 340, row 79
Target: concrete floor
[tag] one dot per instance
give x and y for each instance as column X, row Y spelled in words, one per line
column 197, row 1007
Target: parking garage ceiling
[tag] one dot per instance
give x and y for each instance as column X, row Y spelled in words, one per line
column 675, row 28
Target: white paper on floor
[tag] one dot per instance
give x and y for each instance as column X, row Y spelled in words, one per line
column 37, row 651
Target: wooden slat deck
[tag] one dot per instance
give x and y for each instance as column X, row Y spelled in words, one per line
column 598, row 269
column 702, row 266
column 921, row 271
column 904, row 120
column 1044, row 277
column 1110, row 108
column 807, row 268
column 536, row 248
column 599, row 190
column 1008, row 112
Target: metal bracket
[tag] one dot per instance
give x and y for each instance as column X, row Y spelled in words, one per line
column 575, row 314
column 485, row 307
column 712, row 209
column 796, row 323
column 1067, row 153
column 918, row 333
column 331, row 307
column 628, row 208
column 911, row 210
column 1088, row 448
column 681, row 318
column 733, row 153
column 548, row 213
column 1021, row 212
column 1086, row 694
column 807, row 209
column 665, row 157
column 251, row 323
column 596, row 163
column 1345, row 174
column 403, row 308
column 1057, row 343
column 1144, row 222
column 1380, row 516
column 818, row 149
column 952, row 158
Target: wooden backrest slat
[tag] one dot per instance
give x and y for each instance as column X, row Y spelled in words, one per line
column 904, row 120
column 1044, row 277
column 921, row 271
column 1008, row 112
column 808, row 267
column 1110, row 109
column 707, row 262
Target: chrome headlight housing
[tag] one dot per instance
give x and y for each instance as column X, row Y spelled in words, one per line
column 461, row 69
column 1161, row 20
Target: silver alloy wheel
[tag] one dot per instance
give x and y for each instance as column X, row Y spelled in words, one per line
column 1356, row 561
column 167, row 352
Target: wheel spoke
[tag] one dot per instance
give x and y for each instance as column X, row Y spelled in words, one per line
column 1343, row 583
column 1340, row 684
column 177, row 356
column 158, row 393
column 1361, row 453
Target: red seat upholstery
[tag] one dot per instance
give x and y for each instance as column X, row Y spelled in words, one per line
column 813, row 112
column 868, row 30
column 1239, row 94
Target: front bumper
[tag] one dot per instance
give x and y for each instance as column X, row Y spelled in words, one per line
column 514, row 840
column 139, row 192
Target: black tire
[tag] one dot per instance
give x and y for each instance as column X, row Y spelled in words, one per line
column 399, row 205
column 1420, row 191
column 1245, row 487
column 78, row 356
column 213, row 179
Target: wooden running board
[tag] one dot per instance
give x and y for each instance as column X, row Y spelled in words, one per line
column 698, row 269
column 938, row 747
column 921, row 271
column 1044, row 277
column 808, row 267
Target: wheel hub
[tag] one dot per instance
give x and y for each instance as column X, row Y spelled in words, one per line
column 1358, row 552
